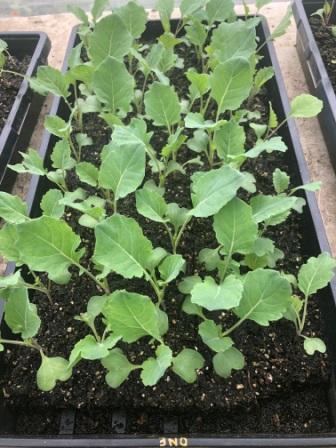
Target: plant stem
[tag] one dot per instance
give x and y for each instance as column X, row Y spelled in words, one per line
column 10, row 72
column 21, row 343
column 73, row 149
column 269, row 135
column 302, row 321
column 88, row 273
column 170, row 234
column 159, row 293
column 180, row 233
column 227, row 263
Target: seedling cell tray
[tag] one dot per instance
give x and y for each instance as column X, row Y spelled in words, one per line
column 24, row 113
column 315, row 70
column 171, row 435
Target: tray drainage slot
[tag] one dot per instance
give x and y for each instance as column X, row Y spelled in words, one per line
column 67, row 424
column 119, row 422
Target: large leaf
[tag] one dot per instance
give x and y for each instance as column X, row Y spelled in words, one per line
column 50, row 205
column 134, row 18
column 165, row 9
column 121, row 246
column 305, row 106
column 118, row 368
column 212, row 296
column 190, row 7
column 186, row 364
column 109, row 38
column 61, row 156
column 8, row 243
column 266, row 207
column 316, row 273
column 219, row 10
column 266, row 296
column 235, row 227
column 231, row 83
column 52, row 370
column 211, row 335
column 154, row 368
column 131, row 316
column 12, row 208
column 49, row 245
column 214, row 189
column 98, row 8
column 230, row 140
column 31, row 163
column 122, row 169
column 113, row 85
column 162, row 105
column 232, row 40
column 171, row 267
column 90, row 348
column 151, row 204
column 21, row 315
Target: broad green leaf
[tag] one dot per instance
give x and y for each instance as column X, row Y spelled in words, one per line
column 188, row 283
column 21, row 315
column 121, row 246
column 131, row 316
column 156, row 257
column 133, row 134
column 52, row 370
column 12, row 280
column 134, row 17
column 49, row 245
column 281, row 28
column 90, row 348
column 154, row 368
column 312, row 186
column 113, row 85
column 109, row 38
column 211, row 335
column 262, row 76
column 61, row 156
column 312, row 345
column 212, row 296
column 190, row 7
column 98, row 8
column 79, row 13
column 214, row 189
column 225, row 362
column 50, row 205
column 211, row 259
column 186, row 364
column 231, row 83
column 265, row 207
column 234, row 40
column 294, row 308
column 12, row 208
column 50, row 80
column 177, row 215
column 235, row 228
column 199, row 142
column 87, row 173
column 8, row 243
column 165, row 9
column 219, row 10
column 191, row 308
column 280, row 180
column 305, row 106
column 195, row 120
column 122, row 169
column 316, row 273
column 57, row 126
column 151, row 204
column 162, row 105
column 199, row 83
column 31, row 163
column 171, row 267
column 230, row 140
column 196, row 32
column 272, row 119
column 273, row 144
column 266, row 296
column 118, row 368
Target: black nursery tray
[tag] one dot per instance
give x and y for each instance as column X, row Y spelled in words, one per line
column 171, row 434
column 25, row 110
column 315, row 70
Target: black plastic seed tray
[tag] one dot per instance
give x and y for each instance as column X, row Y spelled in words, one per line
column 24, row 113
column 315, row 70
column 315, row 241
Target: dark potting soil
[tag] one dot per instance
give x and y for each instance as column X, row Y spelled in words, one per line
column 281, row 389
column 10, row 85
column 327, row 46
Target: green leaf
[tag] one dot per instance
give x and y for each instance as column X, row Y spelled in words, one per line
column 154, row 368
column 50, row 205
column 121, row 246
column 199, row 142
column 262, row 76
column 225, row 362
column 294, row 308
column 281, row 28
column 8, row 243
column 131, row 316
column 118, row 368
column 196, row 32
column 219, row 10
column 177, row 215
column 171, row 267
column 90, row 348
column 155, row 258
column 199, row 83
column 57, row 126
column 49, row 245
column 188, row 283
column 162, row 105
column 98, row 8
column 50, row 80
column 52, row 370
column 305, row 106
column 113, row 85
column 316, row 273
column 235, row 228
column 134, row 18
column 231, row 83
column 234, row 40
column 191, row 308
column 214, row 189
column 2, row 348
column 109, row 38
column 87, row 173
column 230, row 140
column 31, row 163
column 212, row 296
column 266, row 207
column 79, row 13
column 266, row 296
column 186, row 364
column 12, row 208
column 312, row 186
column 189, row 7
column 165, row 9
column 122, row 169
column 280, row 180
column 61, row 156
column 211, row 259
column 312, row 345
column 21, row 315
column 151, row 204
column 211, row 335
column 272, row 119
column 133, row 134
column 273, row 144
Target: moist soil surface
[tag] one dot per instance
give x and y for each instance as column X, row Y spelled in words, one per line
column 281, row 389
column 10, row 85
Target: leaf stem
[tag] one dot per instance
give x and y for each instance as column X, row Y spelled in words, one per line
column 171, row 237
column 105, row 288
column 180, row 233
column 30, row 344
column 302, row 320
column 269, row 135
